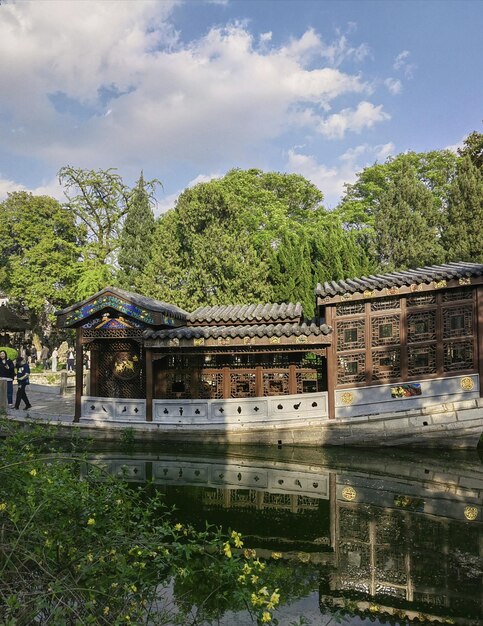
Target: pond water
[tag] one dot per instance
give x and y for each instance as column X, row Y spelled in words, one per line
column 359, row 536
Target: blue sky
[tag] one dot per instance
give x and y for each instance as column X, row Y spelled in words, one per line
column 186, row 90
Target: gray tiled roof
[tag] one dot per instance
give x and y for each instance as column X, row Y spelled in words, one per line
column 249, row 313
column 251, row 330
column 399, row 279
column 136, row 299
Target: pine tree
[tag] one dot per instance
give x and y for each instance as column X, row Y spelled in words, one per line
column 407, row 224
column 463, row 232
column 136, row 236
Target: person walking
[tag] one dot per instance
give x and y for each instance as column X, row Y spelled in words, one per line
column 7, row 372
column 23, row 372
column 44, row 356
column 70, row 360
column 33, row 354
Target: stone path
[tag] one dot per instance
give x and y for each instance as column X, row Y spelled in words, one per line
column 47, row 404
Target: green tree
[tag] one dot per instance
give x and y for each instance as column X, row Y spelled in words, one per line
column 203, row 254
column 247, row 237
column 406, row 223
column 473, row 148
column 40, row 246
column 463, row 232
column 136, row 237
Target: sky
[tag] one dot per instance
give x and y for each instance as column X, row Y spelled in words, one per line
column 185, row 90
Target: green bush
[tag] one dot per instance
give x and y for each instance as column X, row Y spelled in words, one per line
column 80, row 547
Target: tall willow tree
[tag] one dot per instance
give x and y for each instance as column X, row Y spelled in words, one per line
column 136, row 237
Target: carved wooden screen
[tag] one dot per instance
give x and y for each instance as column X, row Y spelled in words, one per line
column 119, row 369
column 458, row 334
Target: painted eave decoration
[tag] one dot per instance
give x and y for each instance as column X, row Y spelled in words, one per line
column 432, row 277
column 146, row 311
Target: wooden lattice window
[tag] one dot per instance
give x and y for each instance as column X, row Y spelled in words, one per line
column 457, row 294
column 383, row 304
column 458, row 355
column 307, row 381
column 422, row 326
column 423, row 299
column 211, row 385
column 349, row 308
column 351, row 368
column 350, row 335
column 178, row 384
column 422, row 360
column 386, row 364
column 242, row 385
column 385, row 330
column 275, row 383
column 457, row 322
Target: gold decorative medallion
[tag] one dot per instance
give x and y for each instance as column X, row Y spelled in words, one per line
column 349, row 493
column 224, row 341
column 347, row 397
column 439, row 284
column 346, row 296
column 301, row 339
column 467, row 383
column 415, row 287
column 393, row 291
column 368, row 293
column 464, row 281
column 471, row 513
column 274, row 340
column 200, row 341
column 174, row 341
column 248, row 340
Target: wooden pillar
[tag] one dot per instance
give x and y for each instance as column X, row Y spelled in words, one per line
column 258, row 381
column 148, row 369
column 94, row 365
column 403, row 330
column 439, row 335
column 368, row 341
column 479, row 336
column 226, row 383
column 331, row 361
column 79, row 374
column 292, row 379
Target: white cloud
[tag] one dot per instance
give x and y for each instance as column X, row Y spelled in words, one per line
column 365, row 115
column 401, row 63
column 332, row 180
column 8, row 186
column 94, row 83
column 393, row 85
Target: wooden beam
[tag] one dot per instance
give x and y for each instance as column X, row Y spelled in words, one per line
column 479, row 336
column 148, row 369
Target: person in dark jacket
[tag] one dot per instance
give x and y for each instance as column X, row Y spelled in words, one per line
column 23, row 371
column 7, row 372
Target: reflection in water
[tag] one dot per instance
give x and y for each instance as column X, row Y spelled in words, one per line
column 387, row 535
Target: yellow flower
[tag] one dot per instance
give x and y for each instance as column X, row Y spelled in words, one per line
column 91, row 521
column 133, row 588
column 249, row 553
column 266, row 617
column 254, row 579
column 263, row 591
column 33, row 472
column 276, row 555
column 247, row 569
column 90, row 558
column 242, row 578
column 106, row 610
column 227, row 549
column 237, row 539
column 178, row 526
column 3, row 506
column 275, row 597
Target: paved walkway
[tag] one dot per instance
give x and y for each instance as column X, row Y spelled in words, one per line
column 47, row 404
